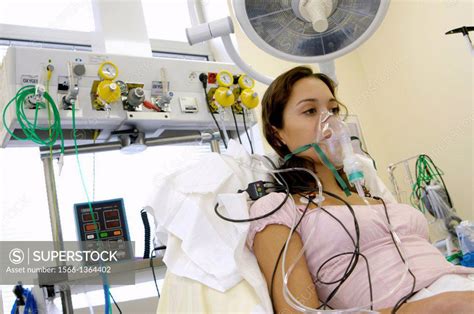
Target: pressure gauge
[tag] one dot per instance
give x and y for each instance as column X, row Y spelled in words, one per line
column 108, row 71
column 225, row 78
column 246, row 81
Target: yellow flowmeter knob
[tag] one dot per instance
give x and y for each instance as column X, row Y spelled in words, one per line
column 224, row 97
column 249, row 98
column 108, row 91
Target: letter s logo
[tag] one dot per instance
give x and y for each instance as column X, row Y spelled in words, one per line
column 16, row 256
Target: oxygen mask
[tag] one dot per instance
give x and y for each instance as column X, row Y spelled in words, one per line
column 333, row 146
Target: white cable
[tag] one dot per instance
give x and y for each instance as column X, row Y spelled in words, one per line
column 289, row 298
column 224, row 129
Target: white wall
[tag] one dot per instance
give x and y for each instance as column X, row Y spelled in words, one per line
column 421, row 91
column 412, row 88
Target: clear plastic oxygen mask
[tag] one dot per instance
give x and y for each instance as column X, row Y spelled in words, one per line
column 334, row 149
column 334, row 139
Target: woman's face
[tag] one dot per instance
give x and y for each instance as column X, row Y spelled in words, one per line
column 309, row 98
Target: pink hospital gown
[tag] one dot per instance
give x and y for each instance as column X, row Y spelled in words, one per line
column 386, row 267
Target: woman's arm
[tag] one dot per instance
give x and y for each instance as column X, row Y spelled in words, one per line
column 267, row 246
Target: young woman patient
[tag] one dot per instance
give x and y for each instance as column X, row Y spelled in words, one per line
column 291, row 112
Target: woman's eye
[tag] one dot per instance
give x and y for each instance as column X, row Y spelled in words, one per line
column 335, row 110
column 310, row 111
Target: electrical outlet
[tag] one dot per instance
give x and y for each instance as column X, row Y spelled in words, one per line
column 193, row 77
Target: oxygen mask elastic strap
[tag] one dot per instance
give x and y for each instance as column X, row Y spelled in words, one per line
column 324, row 159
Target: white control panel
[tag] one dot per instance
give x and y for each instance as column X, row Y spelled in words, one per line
column 113, row 92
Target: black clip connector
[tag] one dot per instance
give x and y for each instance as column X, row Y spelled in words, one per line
column 258, row 189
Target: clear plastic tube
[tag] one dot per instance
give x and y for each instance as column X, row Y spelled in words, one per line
column 250, row 119
column 289, row 298
column 222, row 118
column 360, row 190
column 293, row 302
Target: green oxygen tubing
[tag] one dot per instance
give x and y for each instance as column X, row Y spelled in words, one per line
column 30, row 127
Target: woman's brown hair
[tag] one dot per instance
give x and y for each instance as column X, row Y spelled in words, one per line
column 273, row 104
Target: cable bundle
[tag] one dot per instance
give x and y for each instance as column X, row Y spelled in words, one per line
column 317, row 194
column 427, row 173
column 429, row 193
column 31, row 128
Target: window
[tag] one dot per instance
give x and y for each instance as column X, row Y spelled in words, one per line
column 166, row 19
column 24, row 205
column 73, row 15
column 4, row 43
column 107, row 175
column 51, row 23
column 184, row 56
